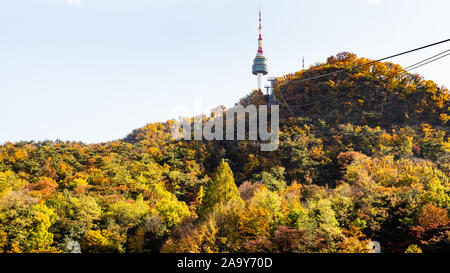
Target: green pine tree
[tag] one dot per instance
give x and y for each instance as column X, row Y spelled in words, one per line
column 221, row 189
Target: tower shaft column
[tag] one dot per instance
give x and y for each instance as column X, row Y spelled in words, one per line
column 259, row 81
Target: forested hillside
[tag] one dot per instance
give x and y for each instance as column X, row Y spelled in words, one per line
column 364, row 156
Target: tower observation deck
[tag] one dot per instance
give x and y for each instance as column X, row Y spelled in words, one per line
column 259, row 67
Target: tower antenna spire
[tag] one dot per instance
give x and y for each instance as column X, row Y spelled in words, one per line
column 260, row 49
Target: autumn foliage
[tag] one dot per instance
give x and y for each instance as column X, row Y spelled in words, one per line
column 363, row 156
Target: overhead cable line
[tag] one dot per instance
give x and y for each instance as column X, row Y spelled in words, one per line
column 369, row 63
column 405, row 70
column 427, row 59
column 423, row 64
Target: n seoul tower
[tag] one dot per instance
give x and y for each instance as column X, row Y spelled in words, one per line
column 260, row 62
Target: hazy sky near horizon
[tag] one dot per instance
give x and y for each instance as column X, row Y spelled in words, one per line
column 94, row 70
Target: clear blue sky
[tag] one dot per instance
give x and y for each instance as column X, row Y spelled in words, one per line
column 94, row 70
